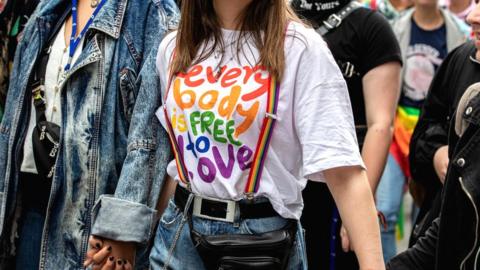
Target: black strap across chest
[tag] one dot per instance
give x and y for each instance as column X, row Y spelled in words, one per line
column 38, row 78
column 331, row 23
column 335, row 20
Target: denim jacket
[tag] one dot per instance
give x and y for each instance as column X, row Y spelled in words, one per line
column 113, row 154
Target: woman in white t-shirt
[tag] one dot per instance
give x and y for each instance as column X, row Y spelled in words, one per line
column 227, row 60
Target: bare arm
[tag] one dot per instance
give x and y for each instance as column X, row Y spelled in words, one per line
column 166, row 193
column 381, row 90
column 350, row 189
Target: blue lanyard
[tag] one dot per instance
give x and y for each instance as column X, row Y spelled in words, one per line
column 75, row 41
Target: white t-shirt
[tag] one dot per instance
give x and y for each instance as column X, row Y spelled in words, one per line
column 55, row 65
column 217, row 123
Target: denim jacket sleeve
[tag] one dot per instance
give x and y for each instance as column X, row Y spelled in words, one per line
column 129, row 215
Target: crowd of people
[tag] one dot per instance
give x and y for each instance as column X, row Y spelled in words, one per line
column 238, row 134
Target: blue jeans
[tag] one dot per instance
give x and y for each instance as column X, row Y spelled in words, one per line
column 30, row 240
column 389, row 199
column 174, row 230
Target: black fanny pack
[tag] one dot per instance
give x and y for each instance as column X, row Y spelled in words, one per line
column 266, row 251
column 270, row 250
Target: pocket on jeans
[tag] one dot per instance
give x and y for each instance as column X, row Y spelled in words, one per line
column 263, row 225
column 171, row 215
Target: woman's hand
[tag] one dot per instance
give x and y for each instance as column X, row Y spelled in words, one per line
column 345, row 240
column 105, row 254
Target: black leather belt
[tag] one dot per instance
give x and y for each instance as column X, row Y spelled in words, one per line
column 217, row 209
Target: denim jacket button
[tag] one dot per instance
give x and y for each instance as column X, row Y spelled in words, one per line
column 468, row 111
column 461, row 162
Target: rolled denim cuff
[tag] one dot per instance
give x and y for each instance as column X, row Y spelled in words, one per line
column 123, row 220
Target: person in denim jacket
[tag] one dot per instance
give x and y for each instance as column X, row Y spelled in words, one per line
column 113, row 152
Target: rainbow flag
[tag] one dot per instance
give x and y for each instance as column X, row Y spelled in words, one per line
column 405, row 122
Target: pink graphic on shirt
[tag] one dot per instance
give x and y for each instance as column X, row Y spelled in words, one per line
column 420, row 69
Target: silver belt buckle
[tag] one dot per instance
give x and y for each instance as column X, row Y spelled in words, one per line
column 227, row 208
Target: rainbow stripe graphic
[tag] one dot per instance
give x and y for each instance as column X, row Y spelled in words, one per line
column 181, row 167
column 264, row 139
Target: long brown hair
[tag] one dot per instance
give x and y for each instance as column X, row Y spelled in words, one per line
column 199, row 23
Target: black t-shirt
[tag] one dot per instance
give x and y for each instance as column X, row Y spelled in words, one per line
column 366, row 40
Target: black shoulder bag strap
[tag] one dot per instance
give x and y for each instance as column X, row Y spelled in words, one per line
column 40, row 69
column 45, row 136
column 334, row 20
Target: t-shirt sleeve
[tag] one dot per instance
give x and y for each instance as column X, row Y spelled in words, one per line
column 380, row 45
column 322, row 113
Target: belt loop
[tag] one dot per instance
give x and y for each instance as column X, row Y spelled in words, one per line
column 237, row 218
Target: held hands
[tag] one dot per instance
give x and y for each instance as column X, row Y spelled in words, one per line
column 346, row 246
column 440, row 162
column 104, row 254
